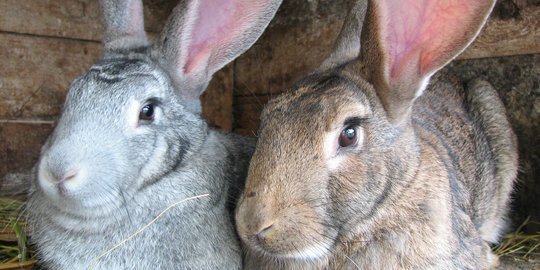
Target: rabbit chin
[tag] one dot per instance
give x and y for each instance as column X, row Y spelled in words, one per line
column 309, row 253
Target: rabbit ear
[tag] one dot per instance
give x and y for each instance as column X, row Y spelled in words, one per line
column 406, row 41
column 347, row 46
column 202, row 36
column 123, row 24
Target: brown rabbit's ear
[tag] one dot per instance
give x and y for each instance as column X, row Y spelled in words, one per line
column 405, row 42
column 347, row 45
column 123, row 24
column 202, row 36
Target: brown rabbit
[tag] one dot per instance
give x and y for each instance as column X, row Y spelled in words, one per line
column 358, row 167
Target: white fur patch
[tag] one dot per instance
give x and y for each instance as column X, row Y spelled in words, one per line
column 330, row 149
column 423, row 85
column 133, row 116
column 45, row 180
column 312, row 253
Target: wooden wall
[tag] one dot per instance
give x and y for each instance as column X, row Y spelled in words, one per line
column 45, row 44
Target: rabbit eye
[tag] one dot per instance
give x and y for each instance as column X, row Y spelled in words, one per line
column 147, row 113
column 348, row 136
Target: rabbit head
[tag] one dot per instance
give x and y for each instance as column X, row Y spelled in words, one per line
column 337, row 158
column 135, row 115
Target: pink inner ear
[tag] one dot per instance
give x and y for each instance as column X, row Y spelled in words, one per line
column 218, row 23
column 424, row 34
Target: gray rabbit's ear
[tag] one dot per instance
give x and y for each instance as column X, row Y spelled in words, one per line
column 347, row 45
column 202, row 36
column 123, row 24
column 405, row 42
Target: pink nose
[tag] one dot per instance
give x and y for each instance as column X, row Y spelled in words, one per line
column 67, row 176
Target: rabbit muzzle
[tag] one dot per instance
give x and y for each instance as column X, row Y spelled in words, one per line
column 79, row 170
column 291, row 233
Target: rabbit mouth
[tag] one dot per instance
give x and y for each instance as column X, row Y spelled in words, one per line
column 309, row 253
column 290, row 240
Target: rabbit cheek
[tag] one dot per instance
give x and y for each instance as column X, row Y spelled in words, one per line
column 301, row 236
column 154, row 165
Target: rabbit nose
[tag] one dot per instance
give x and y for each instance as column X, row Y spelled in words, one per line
column 55, row 173
column 64, row 177
column 255, row 219
column 264, row 232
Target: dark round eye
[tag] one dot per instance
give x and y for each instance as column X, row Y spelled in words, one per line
column 348, row 136
column 147, row 113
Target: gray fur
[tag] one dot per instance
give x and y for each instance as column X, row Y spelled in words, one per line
column 104, row 173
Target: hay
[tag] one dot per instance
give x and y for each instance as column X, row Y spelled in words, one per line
column 520, row 246
column 13, row 241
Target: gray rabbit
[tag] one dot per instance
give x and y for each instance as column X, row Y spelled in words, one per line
column 130, row 142
column 376, row 161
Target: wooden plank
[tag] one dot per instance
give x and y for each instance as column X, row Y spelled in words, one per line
column 40, row 71
column 246, row 114
column 283, row 55
column 60, row 18
column 80, row 20
column 299, row 37
column 217, row 100
column 20, row 144
column 504, row 37
column 70, row 19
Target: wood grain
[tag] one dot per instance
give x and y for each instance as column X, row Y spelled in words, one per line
column 20, row 145
column 37, row 72
column 217, row 100
column 513, row 36
column 246, row 113
column 73, row 19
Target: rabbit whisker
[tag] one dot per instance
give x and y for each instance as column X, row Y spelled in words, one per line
column 351, row 260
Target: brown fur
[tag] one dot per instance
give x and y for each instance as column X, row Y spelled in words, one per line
column 427, row 188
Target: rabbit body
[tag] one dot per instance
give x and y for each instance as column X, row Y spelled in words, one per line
column 371, row 176
column 131, row 143
column 431, row 198
column 133, row 177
